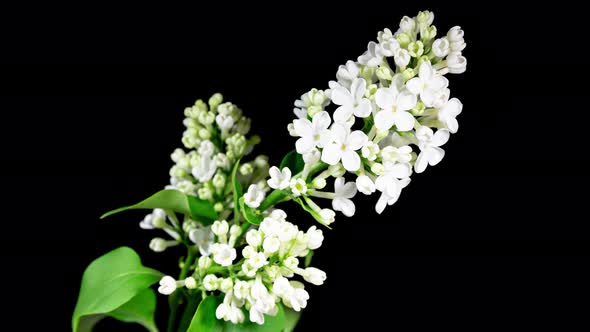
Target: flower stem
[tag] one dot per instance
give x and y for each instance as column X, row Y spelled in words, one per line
column 174, row 300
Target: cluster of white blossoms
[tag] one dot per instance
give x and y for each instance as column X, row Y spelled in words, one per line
column 392, row 100
column 392, row 114
column 216, row 137
column 262, row 277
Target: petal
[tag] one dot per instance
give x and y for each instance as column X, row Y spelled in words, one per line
column 453, row 125
column 438, row 82
column 340, row 133
column 285, row 173
column 440, row 137
column 331, row 154
column 414, row 85
column 428, row 97
column 356, row 140
column 343, row 113
column 363, row 109
column 346, row 206
column 338, row 183
column 404, row 121
column 425, row 72
column 454, row 106
column 358, row 87
column 381, row 203
column 302, row 127
column 351, row 161
column 325, row 138
column 421, row 162
column 304, row 144
column 341, row 96
column 274, row 172
column 400, row 171
column 384, row 97
column 435, row 155
column 406, row 100
column 321, row 121
column 348, row 190
column 384, row 120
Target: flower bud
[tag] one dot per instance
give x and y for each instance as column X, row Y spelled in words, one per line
column 440, row 47
column 158, row 244
column 218, row 207
column 408, row 73
column 220, row 227
column 204, row 263
column 336, row 170
column 246, row 169
column 384, row 73
column 371, row 90
column 403, row 39
column 219, row 181
column 318, row 183
column 425, row 18
column 298, row 187
column 215, row 100
column 456, row 63
column 312, row 157
column 416, row 49
column 328, row 216
column 177, row 155
column 190, row 283
column 370, row 151
column 428, row 33
column 365, row 185
column 314, row 109
column 261, row 161
column 418, row 108
column 291, row 263
column 167, row 285
column 367, row 73
column 211, row 282
column 314, row 276
column 253, row 238
column 407, row 24
column 378, row 168
column 205, row 193
column 226, row 285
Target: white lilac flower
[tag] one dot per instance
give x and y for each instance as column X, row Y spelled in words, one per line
column 206, row 148
column 401, row 57
column 167, row 285
column 447, row 114
column 312, row 157
column 223, row 254
column 254, row 196
column 314, row 276
column 365, row 185
column 298, row 187
column 373, row 56
column 394, row 106
column 343, row 192
column 427, row 84
column 279, row 179
column 190, row 283
column 211, row 282
column 343, row 147
column 203, row 238
column 313, row 133
column 220, row 228
column 205, row 169
column 457, row 64
column 393, row 154
column 391, row 183
column 370, row 150
column 314, row 237
column 253, row 238
column 389, row 45
column 224, row 121
column 456, row 40
column 156, row 219
column 351, row 101
column 441, row 47
column 407, row 25
column 347, row 73
column 429, row 144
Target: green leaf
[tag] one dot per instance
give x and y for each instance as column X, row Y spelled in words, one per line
column 293, row 161
column 140, row 309
column 110, row 282
column 205, row 320
column 252, row 216
column 291, row 319
column 176, row 201
column 237, row 188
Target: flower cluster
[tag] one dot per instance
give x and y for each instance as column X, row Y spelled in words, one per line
column 262, row 276
column 393, row 99
column 216, row 137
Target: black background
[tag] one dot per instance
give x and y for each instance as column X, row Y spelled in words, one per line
column 92, row 99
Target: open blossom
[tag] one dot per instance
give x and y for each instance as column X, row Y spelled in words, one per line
column 279, row 179
column 390, row 184
column 254, row 196
column 365, row 185
column 347, row 73
column 351, row 102
column 427, row 84
column 343, row 147
column 373, row 56
column 447, row 114
column 223, row 254
column 394, row 109
column 343, row 192
column 313, row 133
column 429, row 144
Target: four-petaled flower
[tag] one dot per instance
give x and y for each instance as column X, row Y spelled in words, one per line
column 343, row 192
column 427, row 84
column 351, row 102
column 279, row 179
column 448, row 113
column 429, row 144
column 343, row 147
column 394, row 109
column 313, row 133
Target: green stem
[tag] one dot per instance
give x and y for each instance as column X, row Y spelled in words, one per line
column 174, row 300
column 275, row 197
